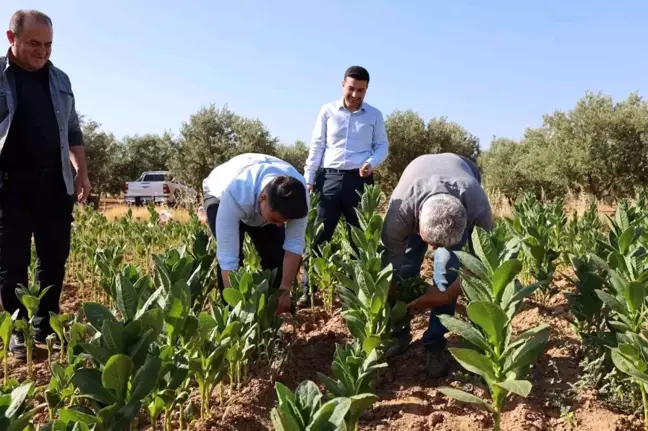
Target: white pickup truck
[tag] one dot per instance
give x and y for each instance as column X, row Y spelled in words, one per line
column 159, row 187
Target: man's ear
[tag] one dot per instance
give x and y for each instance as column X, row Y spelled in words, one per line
column 11, row 37
column 263, row 197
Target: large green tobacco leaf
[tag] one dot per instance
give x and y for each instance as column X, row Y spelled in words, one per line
column 465, row 397
column 88, row 380
column 625, row 365
column 18, row 397
column 504, row 275
column 472, row 264
column 116, row 374
column 113, row 335
column 127, row 297
column 484, row 249
column 232, row 296
column 146, row 378
column 308, row 398
column 528, row 352
column 474, row 362
column 490, row 318
column 520, row 387
column 466, row 331
column 97, row 314
column 331, row 415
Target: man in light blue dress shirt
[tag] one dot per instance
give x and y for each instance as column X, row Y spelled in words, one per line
column 266, row 198
column 349, row 141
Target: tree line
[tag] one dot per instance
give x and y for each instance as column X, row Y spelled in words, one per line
column 600, row 147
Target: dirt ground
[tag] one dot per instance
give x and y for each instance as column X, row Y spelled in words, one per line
column 408, row 399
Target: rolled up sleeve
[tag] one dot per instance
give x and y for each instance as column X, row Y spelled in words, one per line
column 295, row 235
column 227, row 232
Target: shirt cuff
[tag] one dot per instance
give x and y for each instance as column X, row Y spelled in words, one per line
column 310, row 177
column 228, row 264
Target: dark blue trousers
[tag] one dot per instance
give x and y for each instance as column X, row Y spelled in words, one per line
column 340, row 192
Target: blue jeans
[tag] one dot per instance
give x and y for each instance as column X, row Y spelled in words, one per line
column 446, row 266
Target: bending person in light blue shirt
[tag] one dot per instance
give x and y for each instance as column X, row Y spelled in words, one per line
column 349, row 141
column 266, row 198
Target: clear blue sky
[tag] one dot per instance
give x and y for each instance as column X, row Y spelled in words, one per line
column 495, row 67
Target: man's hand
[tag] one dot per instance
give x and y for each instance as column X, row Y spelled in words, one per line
column 435, row 298
column 82, row 186
column 202, row 215
column 309, row 187
column 285, row 301
column 366, row 170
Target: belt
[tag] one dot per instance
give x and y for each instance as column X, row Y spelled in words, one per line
column 339, row 171
column 30, row 174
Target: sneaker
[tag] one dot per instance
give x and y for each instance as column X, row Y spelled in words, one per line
column 17, row 345
column 304, row 301
column 398, row 346
column 437, row 362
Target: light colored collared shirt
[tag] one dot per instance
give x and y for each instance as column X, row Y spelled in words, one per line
column 237, row 184
column 346, row 140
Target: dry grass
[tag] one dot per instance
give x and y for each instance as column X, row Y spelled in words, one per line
column 115, row 211
column 578, row 203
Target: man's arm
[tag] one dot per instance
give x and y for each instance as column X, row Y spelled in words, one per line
column 294, row 246
column 380, row 143
column 227, row 236
column 78, row 155
column 394, row 237
column 317, row 147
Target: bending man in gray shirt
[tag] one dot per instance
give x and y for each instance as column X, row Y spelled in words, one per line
column 437, row 203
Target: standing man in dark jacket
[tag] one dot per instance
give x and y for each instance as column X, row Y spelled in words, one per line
column 349, row 142
column 39, row 137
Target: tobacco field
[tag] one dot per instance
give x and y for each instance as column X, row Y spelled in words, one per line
column 550, row 332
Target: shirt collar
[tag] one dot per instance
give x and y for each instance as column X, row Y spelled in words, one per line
column 339, row 104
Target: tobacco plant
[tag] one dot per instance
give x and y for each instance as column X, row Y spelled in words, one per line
column 303, row 410
column 355, row 373
column 494, row 298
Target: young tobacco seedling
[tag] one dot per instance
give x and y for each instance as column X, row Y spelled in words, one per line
column 355, row 378
column 303, row 410
column 494, row 295
column 30, row 297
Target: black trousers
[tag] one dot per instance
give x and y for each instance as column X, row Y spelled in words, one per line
column 268, row 241
column 340, row 193
column 38, row 206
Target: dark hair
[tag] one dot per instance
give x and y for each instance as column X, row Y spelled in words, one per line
column 287, row 196
column 17, row 22
column 357, row 72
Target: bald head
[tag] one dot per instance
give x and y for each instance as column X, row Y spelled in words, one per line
column 17, row 22
column 30, row 35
